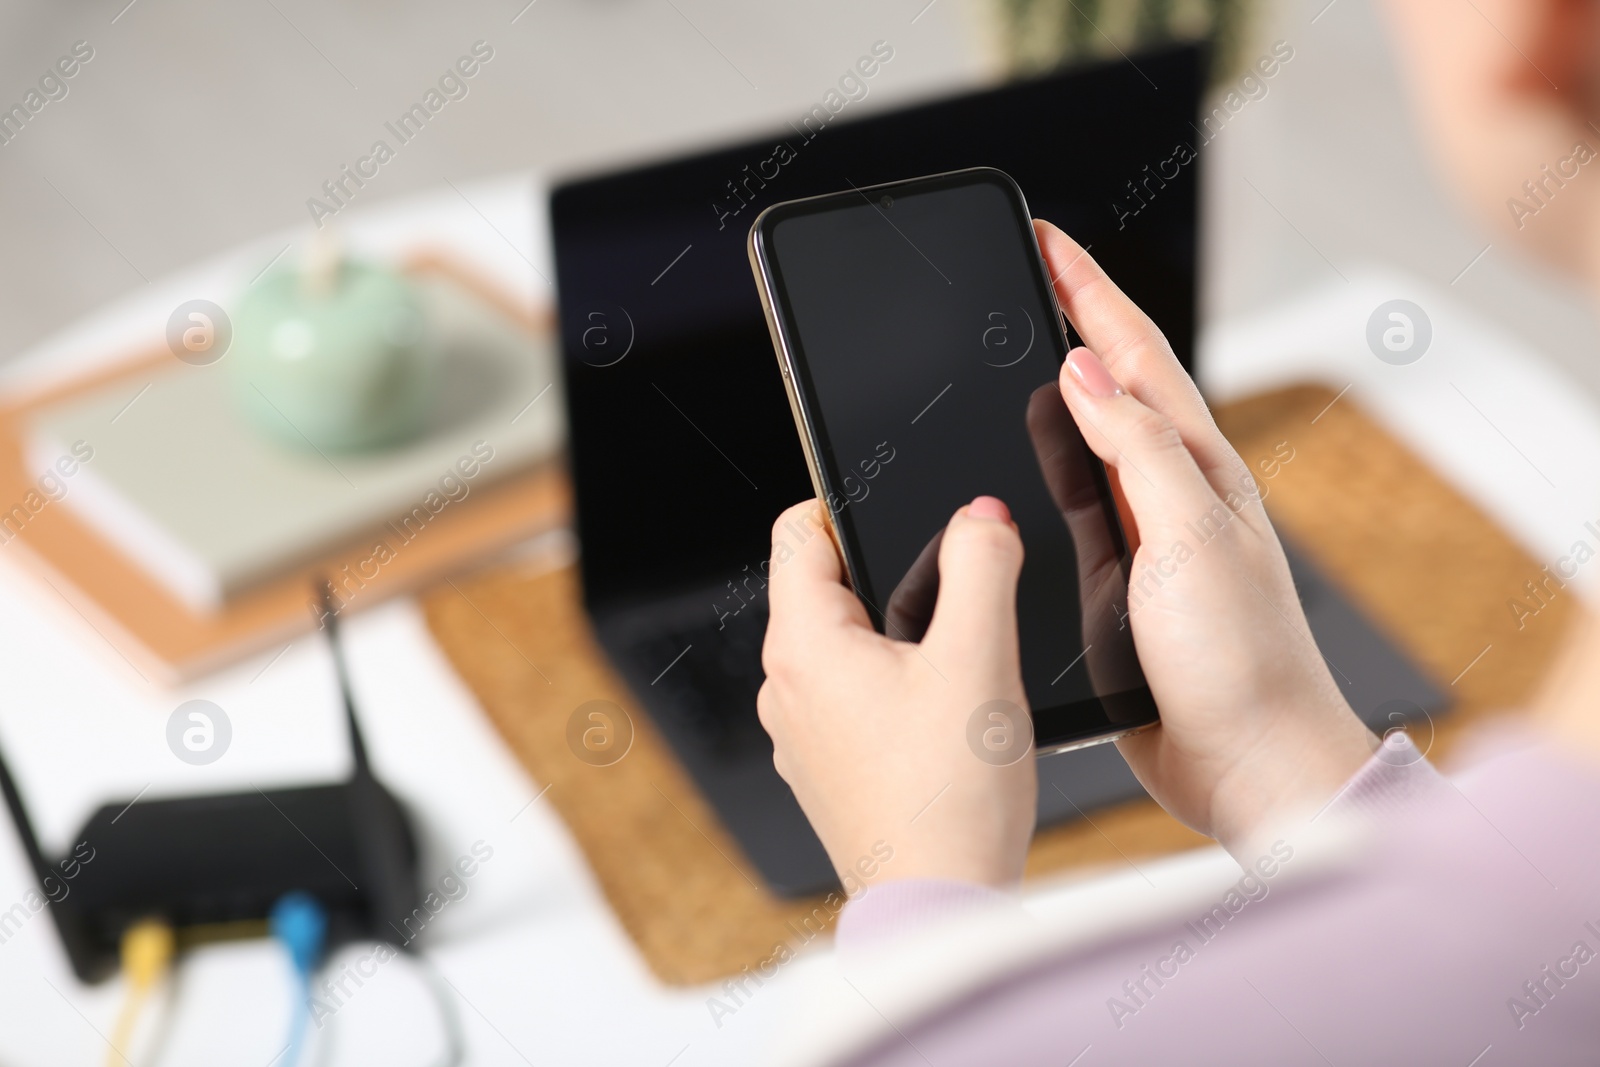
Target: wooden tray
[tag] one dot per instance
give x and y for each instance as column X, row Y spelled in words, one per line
column 1422, row 561
column 164, row 640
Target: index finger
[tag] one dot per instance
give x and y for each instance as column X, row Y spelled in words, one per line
column 1132, row 347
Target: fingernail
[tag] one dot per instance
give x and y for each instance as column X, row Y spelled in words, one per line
column 1092, row 374
column 988, row 507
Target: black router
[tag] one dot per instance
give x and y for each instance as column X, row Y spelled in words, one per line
column 208, row 861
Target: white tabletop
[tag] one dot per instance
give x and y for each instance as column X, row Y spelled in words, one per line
column 543, row 972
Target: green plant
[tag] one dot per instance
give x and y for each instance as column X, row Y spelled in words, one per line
column 1042, row 34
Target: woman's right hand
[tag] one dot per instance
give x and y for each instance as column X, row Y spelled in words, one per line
column 1253, row 727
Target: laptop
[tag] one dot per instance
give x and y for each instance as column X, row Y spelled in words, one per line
column 682, row 446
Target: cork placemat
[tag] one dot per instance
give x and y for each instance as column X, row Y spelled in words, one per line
column 1425, row 565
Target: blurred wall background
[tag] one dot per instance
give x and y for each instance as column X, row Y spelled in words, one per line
column 199, row 126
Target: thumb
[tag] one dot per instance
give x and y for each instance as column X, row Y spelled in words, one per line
column 979, row 562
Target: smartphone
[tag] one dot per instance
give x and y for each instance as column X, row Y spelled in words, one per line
column 920, row 341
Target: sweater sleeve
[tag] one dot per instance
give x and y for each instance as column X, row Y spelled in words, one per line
column 894, row 909
column 1397, row 779
column 1466, row 931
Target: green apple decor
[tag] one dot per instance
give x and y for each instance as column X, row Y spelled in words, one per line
column 336, row 356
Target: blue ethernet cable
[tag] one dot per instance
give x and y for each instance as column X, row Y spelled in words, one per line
column 300, row 924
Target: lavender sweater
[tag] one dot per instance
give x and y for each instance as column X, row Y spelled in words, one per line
column 1465, row 933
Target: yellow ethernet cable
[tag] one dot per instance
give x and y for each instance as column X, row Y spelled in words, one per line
column 147, row 948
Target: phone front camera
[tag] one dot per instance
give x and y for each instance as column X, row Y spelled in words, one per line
column 886, row 202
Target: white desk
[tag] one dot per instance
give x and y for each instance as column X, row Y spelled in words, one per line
column 544, row 973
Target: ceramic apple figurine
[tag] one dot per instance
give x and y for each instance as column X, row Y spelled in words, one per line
column 336, row 355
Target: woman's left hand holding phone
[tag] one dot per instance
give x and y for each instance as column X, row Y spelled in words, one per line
column 871, row 733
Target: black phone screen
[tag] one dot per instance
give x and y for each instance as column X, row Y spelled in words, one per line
column 926, row 343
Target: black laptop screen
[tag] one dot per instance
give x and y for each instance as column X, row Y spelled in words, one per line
column 683, row 449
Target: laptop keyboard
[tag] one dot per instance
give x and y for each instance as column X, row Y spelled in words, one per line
column 707, row 678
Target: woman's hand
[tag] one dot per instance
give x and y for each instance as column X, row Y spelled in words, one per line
column 873, row 734
column 887, row 743
column 1253, row 727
